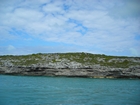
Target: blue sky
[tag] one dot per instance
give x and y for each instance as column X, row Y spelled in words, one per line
column 110, row 27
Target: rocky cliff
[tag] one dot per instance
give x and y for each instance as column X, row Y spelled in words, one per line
column 72, row 65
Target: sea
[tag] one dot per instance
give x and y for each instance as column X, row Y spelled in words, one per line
column 42, row 90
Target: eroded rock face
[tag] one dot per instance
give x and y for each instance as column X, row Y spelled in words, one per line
column 99, row 72
column 71, row 65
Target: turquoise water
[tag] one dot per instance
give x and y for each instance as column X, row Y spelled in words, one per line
column 30, row 90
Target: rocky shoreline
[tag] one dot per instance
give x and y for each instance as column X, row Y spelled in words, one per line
column 100, row 72
column 74, row 65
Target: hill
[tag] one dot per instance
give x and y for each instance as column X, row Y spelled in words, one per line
column 71, row 64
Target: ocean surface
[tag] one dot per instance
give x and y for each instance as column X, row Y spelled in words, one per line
column 39, row 90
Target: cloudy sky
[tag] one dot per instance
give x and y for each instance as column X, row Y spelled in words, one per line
column 110, row 27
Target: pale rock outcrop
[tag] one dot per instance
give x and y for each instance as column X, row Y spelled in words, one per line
column 56, row 65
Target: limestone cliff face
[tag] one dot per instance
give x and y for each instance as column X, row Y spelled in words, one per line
column 71, row 65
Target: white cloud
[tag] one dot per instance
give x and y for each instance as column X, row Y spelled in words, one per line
column 135, row 52
column 40, row 49
column 28, row 14
column 90, row 24
column 51, row 8
column 128, row 9
column 10, row 48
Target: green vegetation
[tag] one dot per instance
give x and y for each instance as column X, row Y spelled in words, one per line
column 83, row 58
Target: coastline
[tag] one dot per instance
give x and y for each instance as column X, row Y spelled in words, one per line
column 71, row 65
column 70, row 72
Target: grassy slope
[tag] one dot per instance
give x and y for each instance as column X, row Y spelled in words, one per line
column 83, row 58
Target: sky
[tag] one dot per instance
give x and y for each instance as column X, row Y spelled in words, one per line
column 110, row 27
